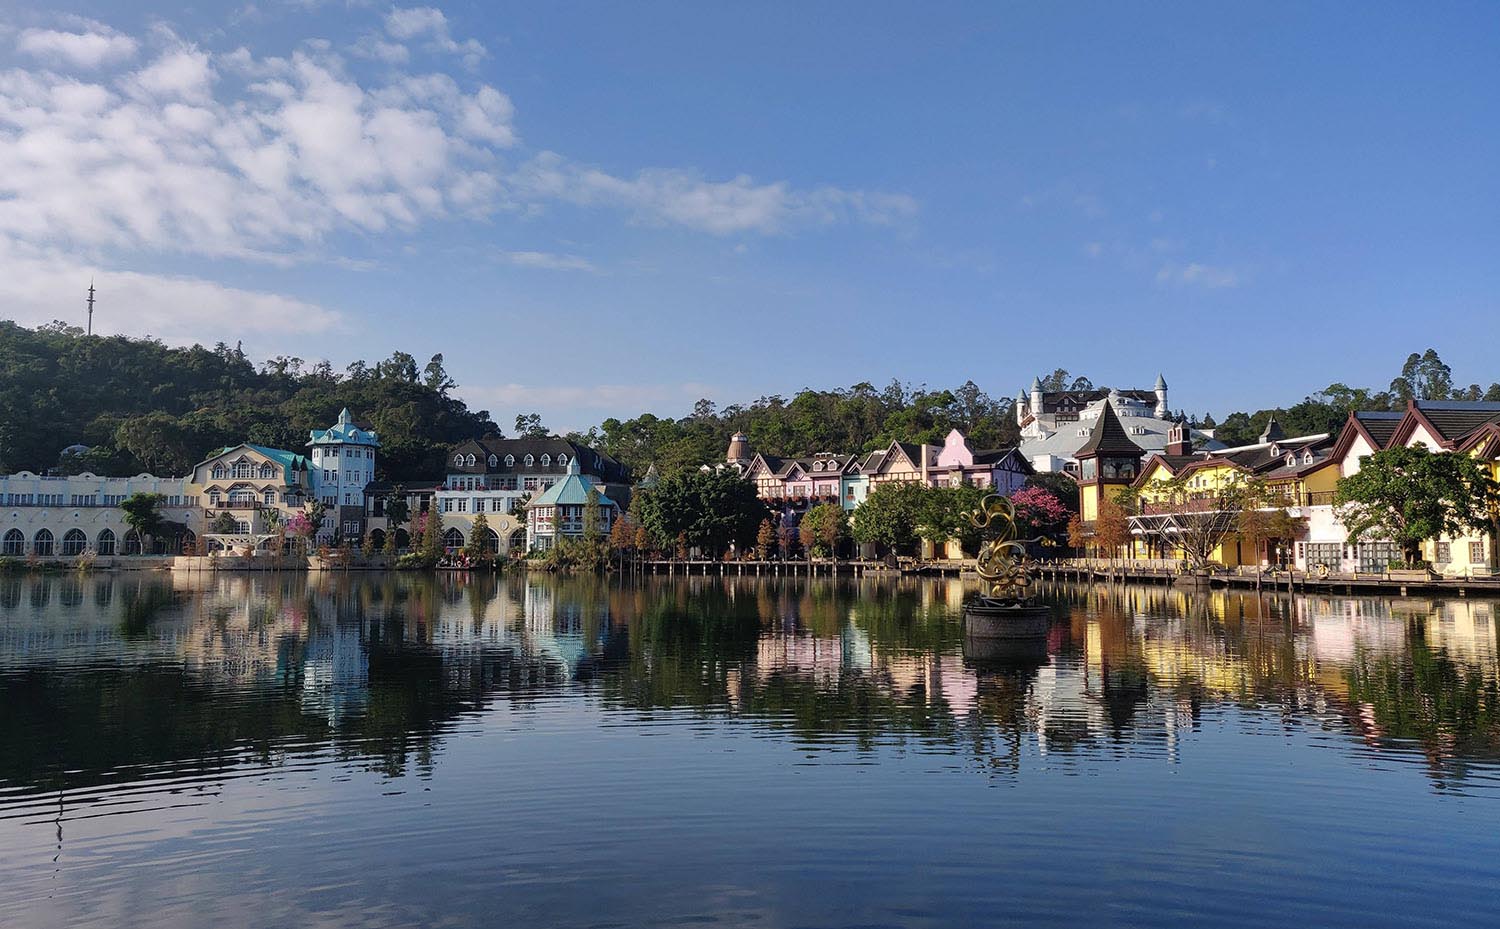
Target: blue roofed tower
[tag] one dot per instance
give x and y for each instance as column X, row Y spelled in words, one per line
column 343, row 462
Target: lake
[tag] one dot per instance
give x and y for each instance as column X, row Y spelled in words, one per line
column 406, row 750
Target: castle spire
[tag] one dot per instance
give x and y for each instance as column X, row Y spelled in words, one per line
column 91, row 306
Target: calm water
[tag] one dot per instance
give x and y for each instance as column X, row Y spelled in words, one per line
column 531, row 752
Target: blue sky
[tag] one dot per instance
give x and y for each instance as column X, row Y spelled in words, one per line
column 599, row 209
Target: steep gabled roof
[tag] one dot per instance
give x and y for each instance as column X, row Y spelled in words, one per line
column 1108, row 437
column 1447, row 420
column 1377, row 428
column 1485, row 441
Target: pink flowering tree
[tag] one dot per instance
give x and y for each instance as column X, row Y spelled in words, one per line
column 302, row 527
column 1039, row 512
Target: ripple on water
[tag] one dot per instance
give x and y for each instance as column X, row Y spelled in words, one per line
column 399, row 750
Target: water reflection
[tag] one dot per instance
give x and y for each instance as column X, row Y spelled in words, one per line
column 105, row 677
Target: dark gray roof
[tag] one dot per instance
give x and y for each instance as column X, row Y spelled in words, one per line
column 1454, row 419
column 1381, row 426
column 590, row 461
column 1108, row 437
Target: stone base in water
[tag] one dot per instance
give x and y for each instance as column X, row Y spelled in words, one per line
column 989, row 620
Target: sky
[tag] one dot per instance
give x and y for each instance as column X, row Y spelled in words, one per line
column 600, row 209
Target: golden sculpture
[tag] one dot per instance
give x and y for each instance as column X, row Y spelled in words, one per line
column 1003, row 564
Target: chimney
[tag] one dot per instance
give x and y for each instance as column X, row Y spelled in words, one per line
column 1180, row 438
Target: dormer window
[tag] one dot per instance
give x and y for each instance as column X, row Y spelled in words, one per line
column 1291, row 461
column 546, row 461
column 530, row 461
column 494, row 461
column 510, row 461
column 458, row 461
column 562, row 461
column 1275, row 451
column 1307, row 457
column 470, row 460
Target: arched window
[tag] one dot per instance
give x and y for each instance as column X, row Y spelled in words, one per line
column 267, row 472
column 74, row 542
column 106, row 543
column 530, row 461
column 377, row 539
column 562, row 461
column 491, row 542
column 220, row 472
column 494, row 460
column 403, row 540
column 510, row 461
column 453, row 539
column 41, row 543
column 242, row 496
column 132, row 542
column 458, row 461
column 470, row 460
column 14, row 544
column 243, row 468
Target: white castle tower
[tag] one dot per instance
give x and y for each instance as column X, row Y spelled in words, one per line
column 343, row 462
column 1161, row 397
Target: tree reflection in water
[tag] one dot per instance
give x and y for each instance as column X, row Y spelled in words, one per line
column 207, row 672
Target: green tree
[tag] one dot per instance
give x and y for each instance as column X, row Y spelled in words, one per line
column 1423, row 377
column 944, row 516
column 477, row 548
column 889, row 516
column 432, row 548
column 710, row 509
column 143, row 514
column 224, row 523
column 529, row 426
column 825, row 525
column 765, row 540
column 1409, row 495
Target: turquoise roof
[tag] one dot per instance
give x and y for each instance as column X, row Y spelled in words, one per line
column 291, row 462
column 572, row 490
column 344, row 432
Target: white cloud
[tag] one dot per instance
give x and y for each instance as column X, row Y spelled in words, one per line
column 183, row 74
column 672, row 196
column 190, row 151
column 548, row 260
column 162, row 157
column 425, row 22
column 40, row 285
column 95, row 47
column 376, row 48
column 1200, row 275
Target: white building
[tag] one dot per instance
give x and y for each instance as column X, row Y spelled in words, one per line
column 1056, row 424
column 49, row 516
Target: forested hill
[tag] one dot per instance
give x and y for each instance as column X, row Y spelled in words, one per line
column 861, row 418
column 143, row 406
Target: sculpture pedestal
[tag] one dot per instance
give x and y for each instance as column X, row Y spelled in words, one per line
column 988, row 619
column 1005, row 632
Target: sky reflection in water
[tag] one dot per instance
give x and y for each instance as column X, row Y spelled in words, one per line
column 532, row 751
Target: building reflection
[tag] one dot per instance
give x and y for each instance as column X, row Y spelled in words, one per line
column 103, row 674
